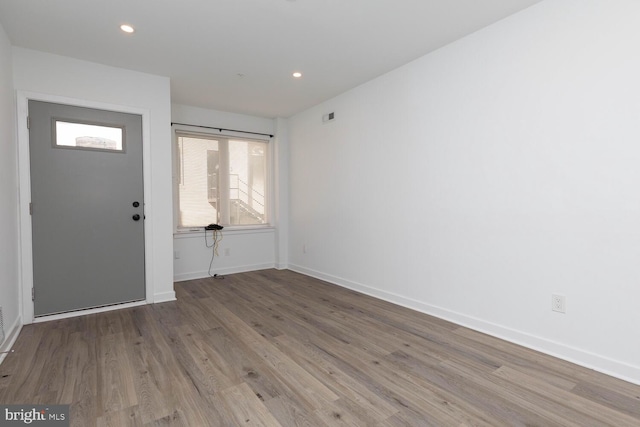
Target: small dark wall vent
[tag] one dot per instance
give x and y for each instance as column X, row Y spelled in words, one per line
column 328, row 117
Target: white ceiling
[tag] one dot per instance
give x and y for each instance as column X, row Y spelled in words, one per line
column 238, row 55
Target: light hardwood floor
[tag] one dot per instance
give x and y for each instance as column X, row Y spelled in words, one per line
column 279, row 348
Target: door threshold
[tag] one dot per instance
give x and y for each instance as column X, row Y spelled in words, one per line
column 84, row 312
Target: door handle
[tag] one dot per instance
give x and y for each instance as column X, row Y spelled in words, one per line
column 136, row 217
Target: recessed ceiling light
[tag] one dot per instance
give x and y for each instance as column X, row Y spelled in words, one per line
column 297, row 74
column 127, row 28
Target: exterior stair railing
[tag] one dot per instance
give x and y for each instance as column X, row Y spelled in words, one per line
column 246, row 199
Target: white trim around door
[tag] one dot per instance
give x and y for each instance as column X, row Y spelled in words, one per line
column 24, row 180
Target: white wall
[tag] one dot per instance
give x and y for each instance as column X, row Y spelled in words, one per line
column 247, row 250
column 52, row 75
column 281, row 193
column 479, row 180
column 9, row 267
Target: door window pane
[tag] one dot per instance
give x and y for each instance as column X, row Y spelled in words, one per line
column 82, row 135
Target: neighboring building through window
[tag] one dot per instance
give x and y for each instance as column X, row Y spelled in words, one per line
column 221, row 180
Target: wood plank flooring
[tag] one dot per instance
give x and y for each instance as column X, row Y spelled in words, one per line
column 276, row 348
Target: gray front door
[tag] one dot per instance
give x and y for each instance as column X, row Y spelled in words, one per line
column 87, row 207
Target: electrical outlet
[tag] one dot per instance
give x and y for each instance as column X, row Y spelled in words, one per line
column 227, row 251
column 304, row 248
column 176, row 254
column 558, row 303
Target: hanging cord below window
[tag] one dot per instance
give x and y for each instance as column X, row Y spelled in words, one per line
column 217, row 238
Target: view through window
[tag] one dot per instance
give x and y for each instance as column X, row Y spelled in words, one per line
column 221, row 180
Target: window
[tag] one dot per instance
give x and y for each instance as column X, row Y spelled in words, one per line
column 221, row 180
column 88, row 136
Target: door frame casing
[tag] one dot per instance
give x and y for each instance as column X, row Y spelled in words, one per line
column 24, row 182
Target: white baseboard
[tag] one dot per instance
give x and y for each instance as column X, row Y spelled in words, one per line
column 11, row 338
column 164, row 297
column 614, row 368
column 222, row 271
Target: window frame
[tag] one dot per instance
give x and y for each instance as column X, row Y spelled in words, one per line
column 196, row 131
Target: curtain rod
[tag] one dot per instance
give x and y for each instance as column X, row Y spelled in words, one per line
column 223, row 129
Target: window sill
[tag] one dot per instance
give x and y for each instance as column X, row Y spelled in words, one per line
column 191, row 233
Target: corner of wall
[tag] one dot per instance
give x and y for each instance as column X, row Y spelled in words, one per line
column 9, row 223
column 281, row 188
column 10, row 339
